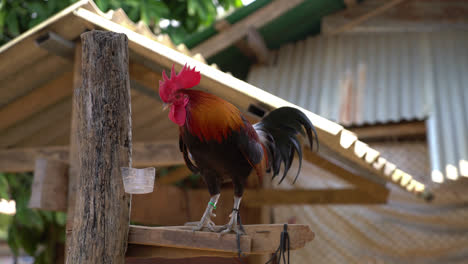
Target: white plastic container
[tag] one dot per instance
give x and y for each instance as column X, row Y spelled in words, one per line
column 138, row 181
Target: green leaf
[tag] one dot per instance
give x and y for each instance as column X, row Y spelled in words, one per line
column 28, row 239
column 12, row 24
column 13, row 240
column 103, row 5
column 47, row 215
column 4, row 187
column 61, row 218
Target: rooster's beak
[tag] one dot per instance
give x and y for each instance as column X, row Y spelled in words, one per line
column 165, row 106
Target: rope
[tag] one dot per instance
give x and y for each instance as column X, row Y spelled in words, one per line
column 241, row 227
column 284, row 245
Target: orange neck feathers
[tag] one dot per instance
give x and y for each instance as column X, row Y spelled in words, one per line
column 210, row 117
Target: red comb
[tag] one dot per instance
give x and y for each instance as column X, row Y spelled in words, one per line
column 187, row 78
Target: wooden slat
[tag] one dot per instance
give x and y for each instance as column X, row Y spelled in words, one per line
column 175, row 175
column 400, row 130
column 234, row 33
column 145, row 76
column 146, row 252
column 365, row 17
column 36, row 100
column 144, row 155
column 261, row 197
column 44, row 136
column 179, row 238
column 21, row 86
column 256, row 198
column 73, row 156
column 357, row 180
column 411, row 16
column 20, row 131
column 264, row 238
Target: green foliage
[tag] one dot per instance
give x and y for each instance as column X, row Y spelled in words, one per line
column 36, row 232
column 17, row 16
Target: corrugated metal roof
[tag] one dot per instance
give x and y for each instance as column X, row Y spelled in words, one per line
column 448, row 122
column 297, row 23
column 370, row 78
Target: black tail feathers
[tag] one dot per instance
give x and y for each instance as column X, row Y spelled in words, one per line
column 278, row 132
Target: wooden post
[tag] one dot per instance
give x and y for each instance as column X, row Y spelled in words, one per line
column 101, row 221
column 73, row 151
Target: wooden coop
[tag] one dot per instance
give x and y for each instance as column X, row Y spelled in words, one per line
column 46, row 124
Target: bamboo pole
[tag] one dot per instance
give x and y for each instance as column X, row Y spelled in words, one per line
column 101, row 221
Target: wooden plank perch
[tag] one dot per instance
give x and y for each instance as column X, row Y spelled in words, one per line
column 259, row 239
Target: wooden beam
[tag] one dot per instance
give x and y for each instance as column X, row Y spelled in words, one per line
column 399, row 130
column 21, row 131
column 149, row 252
column 236, row 32
column 73, row 156
column 39, row 73
column 254, row 47
column 259, row 239
column 187, row 239
column 57, row 45
column 22, row 160
column 175, row 175
column 158, row 154
column 261, row 197
column 349, row 196
column 372, row 187
column 365, row 17
column 102, row 210
column 411, row 16
column 153, row 254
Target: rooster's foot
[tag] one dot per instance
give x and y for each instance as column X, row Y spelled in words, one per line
column 206, row 218
column 233, row 225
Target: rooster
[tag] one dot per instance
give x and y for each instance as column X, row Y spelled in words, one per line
column 219, row 143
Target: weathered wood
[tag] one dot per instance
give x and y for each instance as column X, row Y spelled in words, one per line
column 73, row 155
column 145, row 154
column 259, row 239
column 373, row 188
column 400, row 130
column 261, row 197
column 21, row 131
column 411, row 16
column 158, row 154
column 57, row 45
column 100, row 226
column 254, row 47
column 255, row 198
column 175, row 175
column 49, row 189
column 146, row 252
column 365, row 17
column 23, row 159
column 180, row 238
column 226, row 38
column 36, row 100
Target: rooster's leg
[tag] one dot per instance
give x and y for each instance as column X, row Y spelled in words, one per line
column 233, row 224
column 206, row 218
